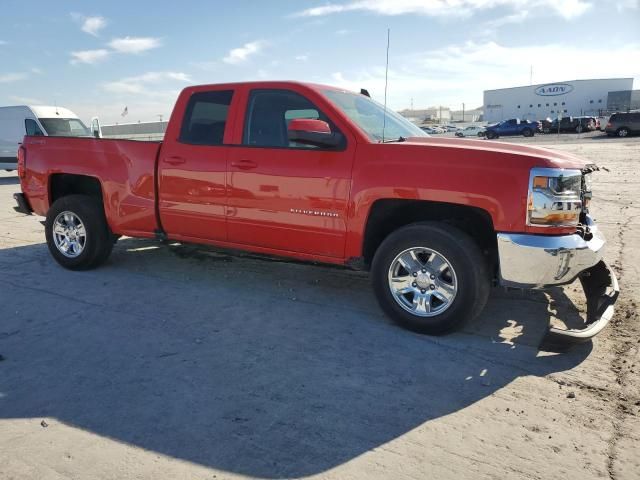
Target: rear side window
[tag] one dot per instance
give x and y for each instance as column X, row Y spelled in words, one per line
column 32, row 128
column 206, row 118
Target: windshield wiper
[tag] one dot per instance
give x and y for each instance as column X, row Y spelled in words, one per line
column 399, row 139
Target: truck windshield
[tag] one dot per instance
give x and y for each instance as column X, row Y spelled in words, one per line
column 65, row 127
column 370, row 116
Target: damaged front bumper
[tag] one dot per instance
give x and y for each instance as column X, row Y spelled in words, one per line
column 539, row 261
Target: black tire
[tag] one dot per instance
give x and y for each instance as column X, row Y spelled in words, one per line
column 491, row 135
column 622, row 132
column 466, row 259
column 480, row 134
column 527, row 132
column 99, row 239
column 579, row 129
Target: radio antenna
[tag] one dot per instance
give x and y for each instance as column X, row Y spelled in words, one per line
column 386, row 76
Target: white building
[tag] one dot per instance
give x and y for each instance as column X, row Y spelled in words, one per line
column 567, row 98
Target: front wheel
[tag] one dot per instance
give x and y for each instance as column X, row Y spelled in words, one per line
column 527, row 132
column 492, row 135
column 77, row 233
column 622, row 132
column 430, row 277
column 579, row 129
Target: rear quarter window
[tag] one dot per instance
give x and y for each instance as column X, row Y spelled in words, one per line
column 205, row 118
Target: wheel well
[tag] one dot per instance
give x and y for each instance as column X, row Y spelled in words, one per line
column 64, row 184
column 387, row 216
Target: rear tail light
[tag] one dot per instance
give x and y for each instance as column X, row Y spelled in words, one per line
column 22, row 162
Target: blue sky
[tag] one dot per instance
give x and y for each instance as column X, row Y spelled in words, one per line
column 98, row 57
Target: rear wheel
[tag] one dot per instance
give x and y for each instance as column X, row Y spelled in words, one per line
column 579, row 129
column 622, row 132
column 77, row 233
column 527, row 132
column 430, row 277
column 491, row 135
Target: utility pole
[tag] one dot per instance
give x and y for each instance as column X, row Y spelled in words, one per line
column 463, row 111
column 411, row 103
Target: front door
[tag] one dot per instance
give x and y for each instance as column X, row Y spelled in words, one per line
column 283, row 195
column 192, row 170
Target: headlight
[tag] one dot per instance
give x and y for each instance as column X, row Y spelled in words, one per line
column 555, row 197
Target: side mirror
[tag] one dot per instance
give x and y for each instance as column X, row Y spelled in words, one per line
column 96, row 131
column 313, row 132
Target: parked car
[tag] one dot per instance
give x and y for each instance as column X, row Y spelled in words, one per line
column 471, row 131
column 21, row 120
column 450, row 128
column 602, row 122
column 545, row 125
column 513, row 126
column 623, row 124
column 574, row 124
column 301, row 171
column 428, row 130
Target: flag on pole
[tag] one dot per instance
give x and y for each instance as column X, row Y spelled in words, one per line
column 125, row 112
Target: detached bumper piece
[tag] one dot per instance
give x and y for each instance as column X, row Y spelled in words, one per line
column 23, row 204
column 601, row 288
column 541, row 261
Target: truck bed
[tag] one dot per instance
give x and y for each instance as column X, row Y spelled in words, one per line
column 125, row 169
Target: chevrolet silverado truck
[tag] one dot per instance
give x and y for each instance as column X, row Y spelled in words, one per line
column 511, row 127
column 321, row 174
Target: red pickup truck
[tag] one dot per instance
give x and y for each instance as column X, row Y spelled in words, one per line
column 322, row 174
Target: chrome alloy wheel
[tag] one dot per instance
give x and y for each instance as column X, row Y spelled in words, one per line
column 69, row 234
column 422, row 281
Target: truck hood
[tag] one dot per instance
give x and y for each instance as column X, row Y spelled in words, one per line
column 546, row 157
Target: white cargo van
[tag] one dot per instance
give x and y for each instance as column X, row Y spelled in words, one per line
column 18, row 121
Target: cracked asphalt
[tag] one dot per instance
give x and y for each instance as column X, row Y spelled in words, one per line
column 182, row 362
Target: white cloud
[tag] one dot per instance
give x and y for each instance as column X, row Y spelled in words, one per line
column 518, row 17
column 134, row 44
column 89, row 56
column 446, row 8
column 241, row 54
column 36, row 70
column 25, row 100
column 93, row 25
column 90, row 24
column 302, row 58
column 460, row 73
column 12, row 77
column 3, row 42
column 627, row 4
column 145, row 83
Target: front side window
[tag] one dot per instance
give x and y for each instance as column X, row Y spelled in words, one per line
column 205, row 118
column 371, row 117
column 269, row 113
column 64, row 127
column 32, row 128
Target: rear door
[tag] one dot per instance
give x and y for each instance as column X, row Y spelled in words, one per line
column 283, row 195
column 192, row 168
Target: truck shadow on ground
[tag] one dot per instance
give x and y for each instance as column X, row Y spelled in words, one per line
column 259, row 368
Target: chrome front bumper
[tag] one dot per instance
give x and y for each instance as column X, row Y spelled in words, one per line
column 539, row 261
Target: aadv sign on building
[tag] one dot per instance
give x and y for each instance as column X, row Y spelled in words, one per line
column 553, row 89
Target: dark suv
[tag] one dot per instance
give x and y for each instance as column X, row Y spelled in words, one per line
column 623, row 124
